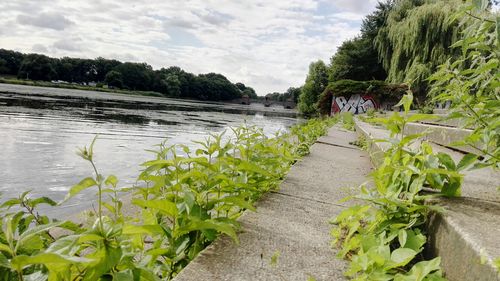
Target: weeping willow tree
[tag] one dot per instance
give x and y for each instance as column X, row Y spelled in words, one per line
column 415, row 39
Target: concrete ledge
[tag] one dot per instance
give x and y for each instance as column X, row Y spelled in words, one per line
column 467, row 233
column 445, row 136
column 466, row 237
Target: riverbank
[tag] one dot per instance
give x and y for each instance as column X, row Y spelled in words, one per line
column 76, row 87
column 82, row 97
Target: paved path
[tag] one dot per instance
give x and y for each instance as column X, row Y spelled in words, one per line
column 292, row 221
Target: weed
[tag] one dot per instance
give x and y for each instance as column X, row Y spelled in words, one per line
column 188, row 197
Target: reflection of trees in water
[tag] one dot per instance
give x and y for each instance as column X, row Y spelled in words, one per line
column 103, row 109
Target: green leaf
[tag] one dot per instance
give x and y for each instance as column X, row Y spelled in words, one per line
column 48, row 259
column 35, row 231
column 11, row 202
column 5, row 248
column 420, row 270
column 446, row 160
column 105, row 259
column 415, row 240
column 43, row 200
column 402, row 256
column 82, row 185
column 125, row 275
column 4, row 262
column 452, row 189
column 406, row 102
column 251, row 167
column 466, row 161
column 234, row 200
column 402, row 236
column 167, row 207
column 196, row 224
column 152, row 229
column 111, row 180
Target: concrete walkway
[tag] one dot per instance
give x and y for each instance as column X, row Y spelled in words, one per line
column 292, row 223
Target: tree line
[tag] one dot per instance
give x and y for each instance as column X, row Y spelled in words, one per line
column 402, row 41
column 170, row 82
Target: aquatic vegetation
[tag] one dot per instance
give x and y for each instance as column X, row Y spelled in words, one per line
column 185, row 199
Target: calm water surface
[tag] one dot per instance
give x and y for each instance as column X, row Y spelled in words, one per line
column 41, row 129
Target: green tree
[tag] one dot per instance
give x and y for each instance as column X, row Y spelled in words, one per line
column 37, row 67
column 173, row 85
column 10, row 62
column 316, row 82
column 415, row 39
column 114, row 79
column 103, row 66
column 250, row 92
column 356, row 59
column 471, row 81
column 136, row 76
column 293, row 93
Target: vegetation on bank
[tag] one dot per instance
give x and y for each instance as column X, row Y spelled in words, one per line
column 384, row 237
column 77, row 87
column 186, row 198
column 401, row 42
column 170, row 82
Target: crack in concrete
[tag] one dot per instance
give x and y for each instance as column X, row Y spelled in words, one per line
column 309, row 199
column 337, row 145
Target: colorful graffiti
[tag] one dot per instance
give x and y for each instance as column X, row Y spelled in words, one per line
column 356, row 104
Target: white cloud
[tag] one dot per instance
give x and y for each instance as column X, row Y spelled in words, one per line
column 265, row 44
column 45, row 20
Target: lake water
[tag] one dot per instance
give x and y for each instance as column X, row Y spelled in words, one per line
column 42, row 128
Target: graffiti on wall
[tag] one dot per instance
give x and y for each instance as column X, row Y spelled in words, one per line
column 355, row 104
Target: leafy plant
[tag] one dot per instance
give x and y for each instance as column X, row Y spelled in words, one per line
column 188, row 198
column 384, row 238
column 472, row 80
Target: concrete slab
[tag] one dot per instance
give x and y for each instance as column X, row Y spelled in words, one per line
column 338, row 136
column 466, row 237
column 293, row 222
column 343, row 169
column 445, row 136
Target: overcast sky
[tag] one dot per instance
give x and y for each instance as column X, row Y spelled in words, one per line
column 263, row 43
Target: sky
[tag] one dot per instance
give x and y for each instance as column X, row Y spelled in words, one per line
column 264, row 44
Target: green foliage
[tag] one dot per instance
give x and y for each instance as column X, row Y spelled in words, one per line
column 187, row 198
column 472, row 80
column 114, row 79
column 356, row 59
column 75, row 73
column 381, row 90
column 384, row 238
column 415, row 39
column 316, row 82
column 290, row 94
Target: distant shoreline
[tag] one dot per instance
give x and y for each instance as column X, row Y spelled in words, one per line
column 36, row 92
column 47, row 84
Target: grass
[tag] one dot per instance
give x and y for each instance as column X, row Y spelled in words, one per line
column 9, row 80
